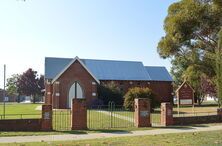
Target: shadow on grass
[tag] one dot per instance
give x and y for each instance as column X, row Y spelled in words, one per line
column 116, row 131
column 175, row 127
column 199, row 125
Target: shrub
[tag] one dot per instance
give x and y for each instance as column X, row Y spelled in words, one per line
column 139, row 93
column 110, row 92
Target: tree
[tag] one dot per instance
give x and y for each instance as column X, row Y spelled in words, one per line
column 41, row 84
column 192, row 28
column 29, row 84
column 218, row 68
column 208, row 86
column 11, row 86
column 110, row 92
column 138, row 93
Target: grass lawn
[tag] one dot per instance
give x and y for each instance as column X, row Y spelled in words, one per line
column 14, row 110
column 103, row 119
column 111, row 130
column 196, row 138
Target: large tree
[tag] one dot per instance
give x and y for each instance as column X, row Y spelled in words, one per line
column 219, row 68
column 11, row 86
column 191, row 39
column 29, row 84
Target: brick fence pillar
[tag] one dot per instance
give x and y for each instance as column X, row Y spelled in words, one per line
column 79, row 114
column 166, row 114
column 142, row 112
column 46, row 118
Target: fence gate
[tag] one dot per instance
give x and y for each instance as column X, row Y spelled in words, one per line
column 62, row 119
column 109, row 116
column 155, row 117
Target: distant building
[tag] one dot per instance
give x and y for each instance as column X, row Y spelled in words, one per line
column 68, row 78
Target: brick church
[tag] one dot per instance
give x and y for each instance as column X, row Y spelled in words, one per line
column 68, row 78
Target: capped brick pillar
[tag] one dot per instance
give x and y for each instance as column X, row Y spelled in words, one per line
column 142, row 112
column 48, row 92
column 166, row 114
column 79, row 114
column 46, row 118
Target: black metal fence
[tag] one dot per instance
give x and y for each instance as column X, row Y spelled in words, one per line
column 109, row 116
column 62, row 119
column 155, row 117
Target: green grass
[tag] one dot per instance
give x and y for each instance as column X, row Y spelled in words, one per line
column 184, row 139
column 20, row 110
column 104, row 119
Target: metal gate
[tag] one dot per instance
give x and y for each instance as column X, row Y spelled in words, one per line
column 62, row 119
column 109, row 116
column 155, row 117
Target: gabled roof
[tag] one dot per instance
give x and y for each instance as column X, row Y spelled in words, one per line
column 109, row 69
column 70, row 63
column 117, row 70
column 185, row 82
column 158, row 73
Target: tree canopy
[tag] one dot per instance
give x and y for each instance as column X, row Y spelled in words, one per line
column 28, row 83
column 191, row 41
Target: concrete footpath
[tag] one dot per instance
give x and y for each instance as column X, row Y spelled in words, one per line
column 65, row 137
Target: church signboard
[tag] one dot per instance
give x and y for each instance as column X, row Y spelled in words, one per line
column 185, row 94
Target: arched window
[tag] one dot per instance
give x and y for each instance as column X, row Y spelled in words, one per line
column 75, row 91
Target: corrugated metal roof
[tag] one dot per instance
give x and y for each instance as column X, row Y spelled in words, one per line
column 158, row 73
column 110, row 69
column 116, row 70
column 54, row 66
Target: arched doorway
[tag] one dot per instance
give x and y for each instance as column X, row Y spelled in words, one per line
column 75, row 91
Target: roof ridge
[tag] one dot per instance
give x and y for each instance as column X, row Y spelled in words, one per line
column 95, row 59
column 111, row 60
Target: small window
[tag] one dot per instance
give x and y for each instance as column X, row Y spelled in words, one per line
column 148, row 82
column 48, row 93
column 93, row 94
column 131, row 83
column 57, row 94
column 93, row 83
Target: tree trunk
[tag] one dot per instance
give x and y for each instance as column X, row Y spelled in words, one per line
column 33, row 98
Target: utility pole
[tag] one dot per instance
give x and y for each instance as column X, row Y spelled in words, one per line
column 4, row 92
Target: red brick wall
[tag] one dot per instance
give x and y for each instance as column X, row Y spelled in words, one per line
column 20, row 125
column 162, row 89
column 76, row 72
column 46, row 118
column 197, row 120
column 79, row 114
column 166, row 116
column 142, row 112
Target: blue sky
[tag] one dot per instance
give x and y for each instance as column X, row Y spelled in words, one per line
column 95, row 29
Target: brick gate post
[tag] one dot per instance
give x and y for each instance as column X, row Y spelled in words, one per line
column 166, row 114
column 142, row 112
column 46, row 118
column 79, row 114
